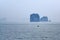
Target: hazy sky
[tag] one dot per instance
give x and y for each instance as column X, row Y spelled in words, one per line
column 20, row 10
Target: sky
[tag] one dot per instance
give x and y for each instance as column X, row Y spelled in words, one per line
column 19, row 10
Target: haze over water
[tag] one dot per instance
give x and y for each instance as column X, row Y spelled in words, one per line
column 19, row 10
column 15, row 20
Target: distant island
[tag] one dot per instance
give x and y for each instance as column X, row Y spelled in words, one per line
column 36, row 18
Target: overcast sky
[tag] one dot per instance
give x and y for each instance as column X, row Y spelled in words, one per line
column 20, row 10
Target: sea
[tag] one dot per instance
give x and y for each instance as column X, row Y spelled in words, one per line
column 29, row 31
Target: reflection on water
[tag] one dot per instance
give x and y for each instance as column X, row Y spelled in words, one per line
column 30, row 32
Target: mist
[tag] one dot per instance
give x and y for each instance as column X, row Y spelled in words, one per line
column 19, row 10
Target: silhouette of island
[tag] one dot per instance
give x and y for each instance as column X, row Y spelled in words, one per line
column 44, row 19
column 36, row 18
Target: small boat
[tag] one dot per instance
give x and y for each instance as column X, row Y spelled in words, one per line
column 37, row 25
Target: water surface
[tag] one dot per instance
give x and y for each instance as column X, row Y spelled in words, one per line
column 30, row 32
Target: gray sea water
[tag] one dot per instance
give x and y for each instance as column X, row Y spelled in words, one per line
column 30, row 32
